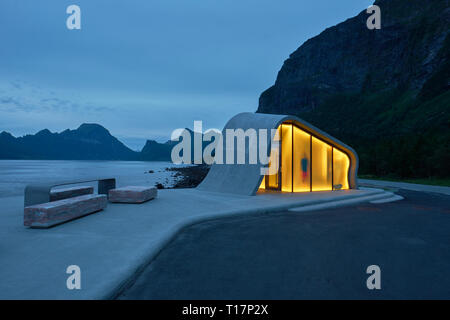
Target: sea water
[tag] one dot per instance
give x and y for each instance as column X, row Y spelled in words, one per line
column 16, row 174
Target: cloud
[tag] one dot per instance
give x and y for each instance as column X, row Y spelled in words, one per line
column 18, row 96
column 16, row 85
column 144, row 68
column 133, row 115
column 13, row 104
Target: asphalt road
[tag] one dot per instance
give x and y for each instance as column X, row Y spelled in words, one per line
column 316, row 255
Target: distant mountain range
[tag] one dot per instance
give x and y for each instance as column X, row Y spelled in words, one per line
column 384, row 92
column 88, row 142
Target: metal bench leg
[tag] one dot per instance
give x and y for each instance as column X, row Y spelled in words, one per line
column 36, row 195
column 105, row 185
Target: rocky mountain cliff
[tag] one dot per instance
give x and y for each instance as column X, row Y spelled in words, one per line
column 385, row 92
column 155, row 151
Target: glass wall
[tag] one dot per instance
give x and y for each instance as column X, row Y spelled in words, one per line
column 271, row 181
column 286, row 157
column 302, row 160
column 321, row 166
column 341, row 164
column 263, row 183
column 306, row 164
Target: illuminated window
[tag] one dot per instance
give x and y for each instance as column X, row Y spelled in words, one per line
column 321, row 165
column 271, row 181
column 263, row 183
column 307, row 164
column 302, row 160
column 341, row 164
column 286, row 157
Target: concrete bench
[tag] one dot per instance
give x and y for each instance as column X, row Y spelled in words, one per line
column 48, row 214
column 132, row 194
column 65, row 193
column 41, row 193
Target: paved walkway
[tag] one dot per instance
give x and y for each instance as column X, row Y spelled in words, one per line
column 311, row 255
column 404, row 185
column 113, row 245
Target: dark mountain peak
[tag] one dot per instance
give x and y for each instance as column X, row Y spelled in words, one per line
column 6, row 135
column 351, row 59
column 154, row 150
column 149, row 143
column 88, row 142
column 92, row 128
column 44, row 132
column 191, row 132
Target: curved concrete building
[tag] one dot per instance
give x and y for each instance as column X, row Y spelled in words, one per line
column 303, row 159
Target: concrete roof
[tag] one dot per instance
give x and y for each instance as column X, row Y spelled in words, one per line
column 245, row 179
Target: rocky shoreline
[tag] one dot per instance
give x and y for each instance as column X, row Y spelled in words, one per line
column 187, row 177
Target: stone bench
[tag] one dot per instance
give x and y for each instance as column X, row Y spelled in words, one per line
column 48, row 214
column 65, row 193
column 132, row 194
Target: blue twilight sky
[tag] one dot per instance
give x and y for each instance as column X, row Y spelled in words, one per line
column 143, row 68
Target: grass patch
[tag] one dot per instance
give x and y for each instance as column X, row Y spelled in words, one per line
column 425, row 181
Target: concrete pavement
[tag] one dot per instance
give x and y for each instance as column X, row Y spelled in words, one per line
column 113, row 246
column 309, row 255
